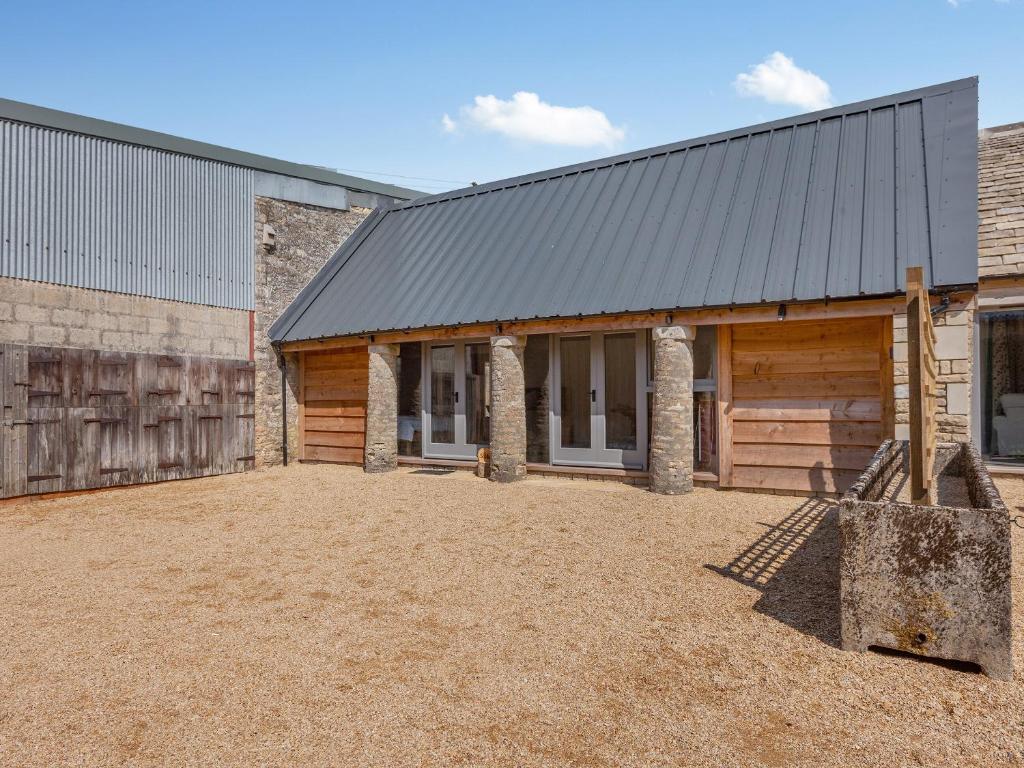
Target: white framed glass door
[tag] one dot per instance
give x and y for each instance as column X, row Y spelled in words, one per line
column 599, row 403
column 456, row 398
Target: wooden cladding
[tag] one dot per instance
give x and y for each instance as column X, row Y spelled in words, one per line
column 76, row 419
column 804, row 404
column 332, row 405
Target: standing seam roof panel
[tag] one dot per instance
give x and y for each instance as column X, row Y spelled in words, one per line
column 833, row 204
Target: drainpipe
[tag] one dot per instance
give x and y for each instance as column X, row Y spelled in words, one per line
column 282, row 363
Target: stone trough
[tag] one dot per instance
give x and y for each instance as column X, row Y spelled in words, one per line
column 928, row 580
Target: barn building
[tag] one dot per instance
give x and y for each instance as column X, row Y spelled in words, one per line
column 728, row 310
column 139, row 273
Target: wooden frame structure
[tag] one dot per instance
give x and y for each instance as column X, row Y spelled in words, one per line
column 922, row 369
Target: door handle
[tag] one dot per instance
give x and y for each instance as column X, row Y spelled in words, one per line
column 456, row 397
column 593, row 395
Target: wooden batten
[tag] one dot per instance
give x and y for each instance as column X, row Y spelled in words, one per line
column 922, row 370
column 302, row 405
column 726, row 408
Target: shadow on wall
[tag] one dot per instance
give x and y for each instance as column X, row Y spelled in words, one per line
column 795, row 566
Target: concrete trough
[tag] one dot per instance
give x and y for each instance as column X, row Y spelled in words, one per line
column 928, row 580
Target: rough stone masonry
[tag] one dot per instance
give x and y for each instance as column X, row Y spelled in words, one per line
column 305, row 237
column 671, row 464
column 508, row 409
column 381, row 451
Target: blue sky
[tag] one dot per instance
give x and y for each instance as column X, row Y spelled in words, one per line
column 366, row 86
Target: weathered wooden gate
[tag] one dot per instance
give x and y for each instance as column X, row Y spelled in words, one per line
column 76, row 418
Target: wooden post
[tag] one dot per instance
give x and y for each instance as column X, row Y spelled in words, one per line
column 724, row 406
column 301, row 394
column 922, row 372
column 885, row 366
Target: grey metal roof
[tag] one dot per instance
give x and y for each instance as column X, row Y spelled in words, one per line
column 830, row 204
column 89, row 126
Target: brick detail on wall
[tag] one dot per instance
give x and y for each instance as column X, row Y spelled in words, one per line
column 1001, row 201
column 954, row 332
column 304, row 238
column 43, row 314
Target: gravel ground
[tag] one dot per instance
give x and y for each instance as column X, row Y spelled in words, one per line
column 317, row 615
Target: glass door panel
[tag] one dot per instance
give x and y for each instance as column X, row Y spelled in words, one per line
column 478, row 393
column 442, row 395
column 575, row 391
column 456, row 413
column 599, row 408
column 620, row 391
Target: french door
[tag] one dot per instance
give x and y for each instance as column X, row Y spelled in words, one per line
column 599, row 402
column 456, row 398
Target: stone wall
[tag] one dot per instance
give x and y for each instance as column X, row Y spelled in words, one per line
column 1001, row 201
column 954, row 351
column 304, row 238
column 43, row 314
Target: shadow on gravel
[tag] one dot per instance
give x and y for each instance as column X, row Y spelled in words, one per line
column 795, row 566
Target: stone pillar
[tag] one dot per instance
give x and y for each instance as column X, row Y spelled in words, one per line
column 671, row 469
column 381, row 451
column 508, row 409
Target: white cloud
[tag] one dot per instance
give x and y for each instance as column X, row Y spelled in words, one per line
column 778, row 80
column 526, row 117
column 448, row 125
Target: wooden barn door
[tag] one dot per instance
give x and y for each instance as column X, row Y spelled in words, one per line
column 809, row 402
column 13, row 420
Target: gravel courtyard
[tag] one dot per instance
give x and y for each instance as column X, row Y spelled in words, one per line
column 317, row 615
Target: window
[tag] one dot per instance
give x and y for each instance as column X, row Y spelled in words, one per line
column 705, row 401
column 410, row 373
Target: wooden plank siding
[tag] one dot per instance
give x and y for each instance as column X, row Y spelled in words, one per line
column 808, row 402
column 332, row 405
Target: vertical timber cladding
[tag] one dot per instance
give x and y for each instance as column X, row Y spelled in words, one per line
column 77, row 418
column 807, row 407
column 332, row 405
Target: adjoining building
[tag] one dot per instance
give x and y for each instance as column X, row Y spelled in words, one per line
column 998, row 423
column 139, row 273
column 727, row 310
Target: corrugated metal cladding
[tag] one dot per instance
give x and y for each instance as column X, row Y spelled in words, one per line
column 832, row 204
column 93, row 213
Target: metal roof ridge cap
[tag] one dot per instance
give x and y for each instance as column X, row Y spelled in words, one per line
column 55, row 119
column 712, row 138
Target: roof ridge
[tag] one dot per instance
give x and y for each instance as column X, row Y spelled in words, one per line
column 662, row 149
column 56, row 119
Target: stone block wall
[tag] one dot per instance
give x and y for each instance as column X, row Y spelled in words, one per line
column 304, row 238
column 43, row 314
column 954, row 331
column 1001, row 201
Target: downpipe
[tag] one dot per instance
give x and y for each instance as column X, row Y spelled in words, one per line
column 282, row 363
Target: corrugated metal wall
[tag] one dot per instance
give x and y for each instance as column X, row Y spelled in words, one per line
column 93, row 213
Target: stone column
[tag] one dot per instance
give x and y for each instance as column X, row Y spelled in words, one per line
column 508, row 409
column 671, row 468
column 381, row 451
